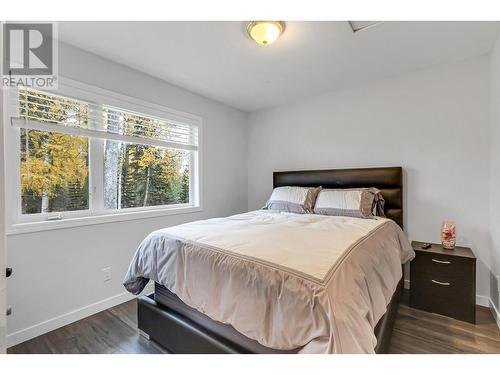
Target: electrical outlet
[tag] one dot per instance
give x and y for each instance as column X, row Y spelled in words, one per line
column 106, row 274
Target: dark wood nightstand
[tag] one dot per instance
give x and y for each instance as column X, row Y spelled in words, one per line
column 444, row 281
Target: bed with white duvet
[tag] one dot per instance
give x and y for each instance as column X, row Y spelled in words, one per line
column 315, row 282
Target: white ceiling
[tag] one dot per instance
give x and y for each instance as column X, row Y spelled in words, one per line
column 218, row 60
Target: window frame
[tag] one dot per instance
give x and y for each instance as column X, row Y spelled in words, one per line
column 16, row 222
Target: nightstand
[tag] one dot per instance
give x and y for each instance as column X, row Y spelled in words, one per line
column 444, row 281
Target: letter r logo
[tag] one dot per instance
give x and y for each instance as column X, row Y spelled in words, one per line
column 28, row 49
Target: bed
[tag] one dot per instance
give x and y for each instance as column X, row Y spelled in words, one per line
column 273, row 282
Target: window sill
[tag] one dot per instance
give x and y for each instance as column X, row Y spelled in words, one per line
column 41, row 226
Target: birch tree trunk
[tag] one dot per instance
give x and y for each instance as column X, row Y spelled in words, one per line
column 124, row 182
column 45, row 202
column 45, row 193
column 146, row 190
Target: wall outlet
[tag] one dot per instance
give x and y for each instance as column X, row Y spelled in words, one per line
column 106, row 274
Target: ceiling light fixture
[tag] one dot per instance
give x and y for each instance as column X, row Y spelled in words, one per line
column 265, row 32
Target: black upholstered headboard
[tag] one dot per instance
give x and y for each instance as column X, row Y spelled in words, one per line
column 389, row 180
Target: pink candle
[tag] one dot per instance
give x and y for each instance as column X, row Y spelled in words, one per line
column 448, row 234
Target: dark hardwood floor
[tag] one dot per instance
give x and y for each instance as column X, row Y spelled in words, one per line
column 415, row 331
column 110, row 331
column 420, row 332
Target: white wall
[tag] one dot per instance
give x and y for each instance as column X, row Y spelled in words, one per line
column 495, row 174
column 433, row 122
column 57, row 272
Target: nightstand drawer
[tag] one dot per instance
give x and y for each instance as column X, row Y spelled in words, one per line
column 446, row 267
column 451, row 297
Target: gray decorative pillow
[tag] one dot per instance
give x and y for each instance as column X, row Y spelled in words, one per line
column 360, row 202
column 295, row 199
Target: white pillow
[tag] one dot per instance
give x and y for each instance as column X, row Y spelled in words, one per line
column 295, row 199
column 360, row 202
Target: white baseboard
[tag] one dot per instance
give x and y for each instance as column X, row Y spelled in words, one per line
column 38, row 329
column 495, row 312
column 482, row 300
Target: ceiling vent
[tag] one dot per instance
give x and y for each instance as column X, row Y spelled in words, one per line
column 362, row 25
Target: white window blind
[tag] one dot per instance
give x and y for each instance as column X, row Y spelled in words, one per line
column 53, row 113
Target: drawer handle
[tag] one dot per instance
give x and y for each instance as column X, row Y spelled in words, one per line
column 440, row 283
column 441, row 261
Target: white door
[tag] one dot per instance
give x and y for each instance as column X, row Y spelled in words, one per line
column 3, row 281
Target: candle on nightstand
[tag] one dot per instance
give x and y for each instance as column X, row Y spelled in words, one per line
column 448, row 234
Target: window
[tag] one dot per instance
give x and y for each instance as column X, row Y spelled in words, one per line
column 54, row 166
column 139, row 175
column 91, row 157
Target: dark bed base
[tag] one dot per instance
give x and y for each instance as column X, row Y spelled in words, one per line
column 181, row 335
column 177, row 333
